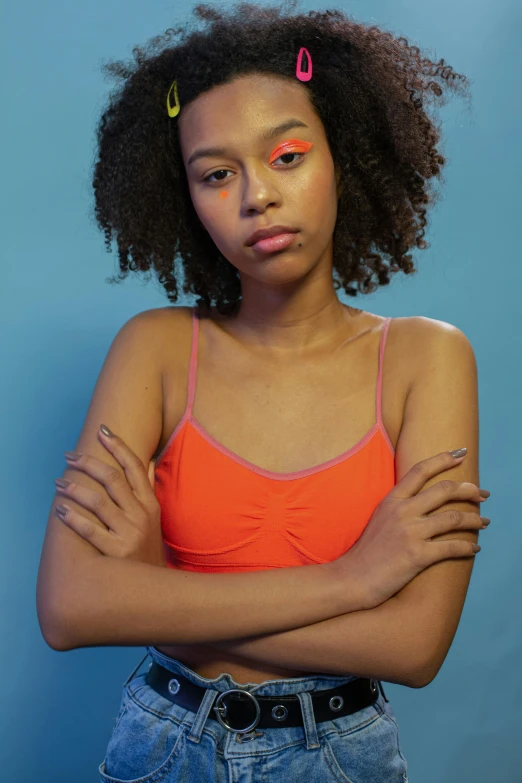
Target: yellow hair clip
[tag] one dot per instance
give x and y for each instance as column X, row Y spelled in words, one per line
column 173, row 110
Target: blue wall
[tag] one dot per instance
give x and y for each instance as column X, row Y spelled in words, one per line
column 58, row 318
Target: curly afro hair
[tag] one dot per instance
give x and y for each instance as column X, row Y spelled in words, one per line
column 370, row 90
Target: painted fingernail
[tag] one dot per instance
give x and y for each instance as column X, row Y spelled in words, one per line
column 106, row 431
column 72, row 455
column 61, row 510
column 62, row 482
column 485, row 493
column 459, row 453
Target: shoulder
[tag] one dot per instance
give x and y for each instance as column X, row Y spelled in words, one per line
column 163, row 330
column 440, row 341
column 421, row 329
column 429, row 341
column 162, row 316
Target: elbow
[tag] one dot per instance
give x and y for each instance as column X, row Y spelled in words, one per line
column 55, row 628
column 60, row 608
column 422, row 672
column 420, row 680
column 56, row 643
column 422, row 666
column 61, row 631
column 54, row 635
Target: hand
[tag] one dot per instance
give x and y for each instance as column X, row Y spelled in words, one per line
column 396, row 544
column 129, row 508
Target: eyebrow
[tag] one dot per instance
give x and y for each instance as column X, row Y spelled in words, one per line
column 267, row 135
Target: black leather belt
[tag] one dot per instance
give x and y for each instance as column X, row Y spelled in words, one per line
column 240, row 710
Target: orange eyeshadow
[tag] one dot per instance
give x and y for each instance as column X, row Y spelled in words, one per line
column 292, row 145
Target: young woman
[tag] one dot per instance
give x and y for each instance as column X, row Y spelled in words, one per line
column 281, row 157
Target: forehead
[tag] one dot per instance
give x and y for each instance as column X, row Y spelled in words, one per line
column 232, row 113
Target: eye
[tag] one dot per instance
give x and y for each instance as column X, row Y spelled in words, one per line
column 223, row 179
column 287, row 154
column 219, row 171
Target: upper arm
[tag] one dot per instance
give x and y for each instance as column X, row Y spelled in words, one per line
column 128, row 399
column 441, row 414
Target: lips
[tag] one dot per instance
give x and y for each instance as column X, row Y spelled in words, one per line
column 270, row 231
column 273, row 244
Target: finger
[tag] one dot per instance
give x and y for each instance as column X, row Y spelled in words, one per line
column 417, row 476
column 435, row 551
column 443, row 492
column 451, row 520
column 114, row 481
column 100, row 539
column 134, row 469
column 152, row 473
column 100, row 504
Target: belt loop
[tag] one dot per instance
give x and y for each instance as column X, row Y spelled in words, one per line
column 202, row 714
column 382, row 690
column 131, row 675
column 310, row 726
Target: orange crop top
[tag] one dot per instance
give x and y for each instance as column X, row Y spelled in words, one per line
column 220, row 512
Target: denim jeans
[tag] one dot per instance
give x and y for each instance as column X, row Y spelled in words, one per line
column 156, row 741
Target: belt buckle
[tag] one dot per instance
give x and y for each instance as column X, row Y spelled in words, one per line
column 221, row 710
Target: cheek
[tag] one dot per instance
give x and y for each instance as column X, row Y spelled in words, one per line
column 218, row 219
column 316, row 194
column 211, row 208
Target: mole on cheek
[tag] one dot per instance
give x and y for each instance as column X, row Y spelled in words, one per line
column 223, row 194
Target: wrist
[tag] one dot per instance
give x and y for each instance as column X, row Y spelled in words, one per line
column 351, row 591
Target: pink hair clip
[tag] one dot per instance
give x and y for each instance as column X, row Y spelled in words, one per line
column 303, row 76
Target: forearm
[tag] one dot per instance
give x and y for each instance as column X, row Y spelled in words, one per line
column 123, row 602
column 379, row 643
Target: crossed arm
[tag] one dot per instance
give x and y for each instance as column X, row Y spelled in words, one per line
column 380, row 643
column 405, row 639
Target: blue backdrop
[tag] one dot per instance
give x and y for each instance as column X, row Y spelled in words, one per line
column 58, row 318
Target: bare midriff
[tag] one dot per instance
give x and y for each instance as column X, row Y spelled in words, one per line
column 209, row 662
